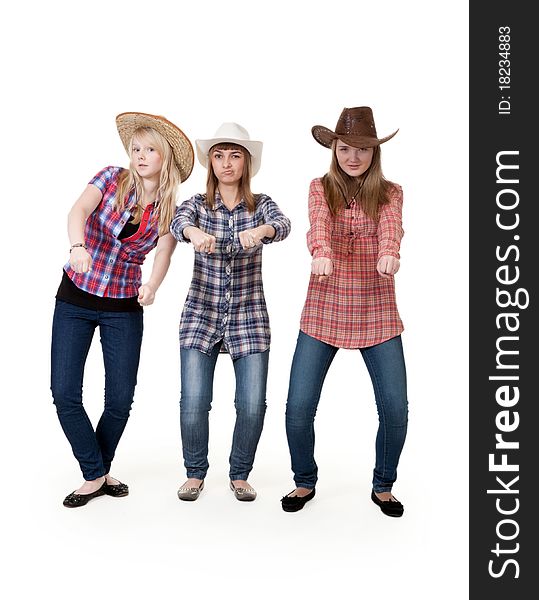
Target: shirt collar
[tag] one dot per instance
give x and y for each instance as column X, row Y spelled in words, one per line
column 218, row 202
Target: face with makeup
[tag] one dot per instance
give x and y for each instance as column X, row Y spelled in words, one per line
column 145, row 158
column 227, row 164
column 353, row 161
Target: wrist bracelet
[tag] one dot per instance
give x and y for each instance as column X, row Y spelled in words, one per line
column 78, row 245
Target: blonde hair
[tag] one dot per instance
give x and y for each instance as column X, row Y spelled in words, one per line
column 245, row 182
column 371, row 189
column 169, row 180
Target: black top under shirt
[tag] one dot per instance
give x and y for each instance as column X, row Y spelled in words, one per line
column 69, row 292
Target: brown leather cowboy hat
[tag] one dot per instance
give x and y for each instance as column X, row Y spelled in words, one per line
column 355, row 127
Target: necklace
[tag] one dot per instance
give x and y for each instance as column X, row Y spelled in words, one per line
column 353, row 198
column 358, row 189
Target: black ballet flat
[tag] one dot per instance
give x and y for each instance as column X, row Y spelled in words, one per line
column 391, row 508
column 295, row 503
column 74, row 500
column 117, row 490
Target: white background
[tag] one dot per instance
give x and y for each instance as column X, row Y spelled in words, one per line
column 278, row 69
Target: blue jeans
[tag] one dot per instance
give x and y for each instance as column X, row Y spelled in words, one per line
column 197, row 370
column 311, row 362
column 121, row 337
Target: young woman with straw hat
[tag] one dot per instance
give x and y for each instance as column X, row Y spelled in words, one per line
column 119, row 218
column 225, row 309
column 354, row 239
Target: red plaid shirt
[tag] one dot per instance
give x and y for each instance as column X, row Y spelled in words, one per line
column 116, row 271
column 354, row 307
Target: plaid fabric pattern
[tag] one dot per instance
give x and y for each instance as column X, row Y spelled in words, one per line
column 354, row 307
column 116, row 270
column 226, row 297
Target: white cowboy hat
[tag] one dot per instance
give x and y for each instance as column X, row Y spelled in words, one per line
column 235, row 134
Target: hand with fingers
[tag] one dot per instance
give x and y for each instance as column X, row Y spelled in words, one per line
column 250, row 238
column 323, row 267
column 80, row 259
column 146, row 294
column 387, row 266
column 202, row 241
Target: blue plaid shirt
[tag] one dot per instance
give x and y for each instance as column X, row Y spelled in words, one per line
column 226, row 301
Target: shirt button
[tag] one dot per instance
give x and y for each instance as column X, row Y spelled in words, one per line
column 228, row 248
column 106, row 276
column 231, row 221
column 110, row 260
column 227, row 295
column 228, row 269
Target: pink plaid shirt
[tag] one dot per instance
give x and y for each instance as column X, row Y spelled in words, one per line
column 354, row 307
column 116, row 271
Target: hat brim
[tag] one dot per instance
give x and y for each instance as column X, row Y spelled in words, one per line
column 184, row 156
column 252, row 146
column 325, row 136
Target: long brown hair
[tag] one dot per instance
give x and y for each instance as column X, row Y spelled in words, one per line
column 245, row 182
column 169, row 181
column 371, row 189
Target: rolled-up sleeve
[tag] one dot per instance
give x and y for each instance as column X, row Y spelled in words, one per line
column 390, row 229
column 273, row 216
column 186, row 216
column 321, row 221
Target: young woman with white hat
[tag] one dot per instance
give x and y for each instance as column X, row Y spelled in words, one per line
column 119, row 218
column 354, row 239
column 225, row 310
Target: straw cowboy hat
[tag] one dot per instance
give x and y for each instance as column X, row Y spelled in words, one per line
column 355, row 127
column 234, row 134
column 184, row 157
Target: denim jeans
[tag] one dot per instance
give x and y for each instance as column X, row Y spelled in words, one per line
column 311, row 362
column 121, row 337
column 197, row 370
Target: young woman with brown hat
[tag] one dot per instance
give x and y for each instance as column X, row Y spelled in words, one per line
column 119, row 218
column 225, row 310
column 354, row 239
